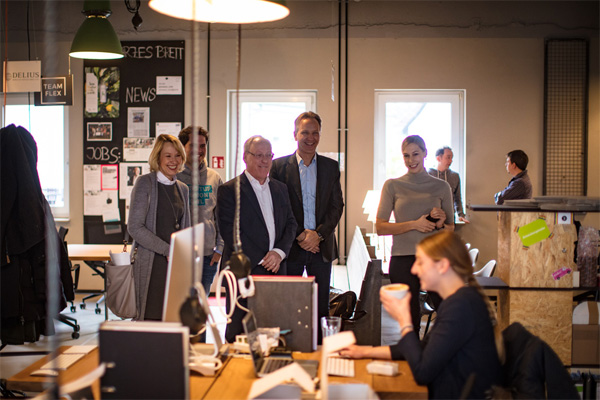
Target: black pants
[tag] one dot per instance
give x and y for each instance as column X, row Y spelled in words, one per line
column 400, row 273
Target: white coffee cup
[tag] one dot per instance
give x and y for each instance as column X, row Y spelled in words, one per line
column 398, row 290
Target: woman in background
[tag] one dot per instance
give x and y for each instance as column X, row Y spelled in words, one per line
column 159, row 207
column 465, row 339
column 421, row 204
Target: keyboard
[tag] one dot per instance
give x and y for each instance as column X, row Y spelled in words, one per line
column 63, row 361
column 340, row 366
column 273, row 364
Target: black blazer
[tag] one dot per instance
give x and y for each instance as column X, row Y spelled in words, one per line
column 253, row 229
column 329, row 204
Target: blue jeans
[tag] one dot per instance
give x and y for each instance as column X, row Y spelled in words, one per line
column 208, row 273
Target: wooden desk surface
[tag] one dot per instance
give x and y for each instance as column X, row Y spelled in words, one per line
column 233, row 381
column 93, row 252
column 236, row 378
column 25, row 382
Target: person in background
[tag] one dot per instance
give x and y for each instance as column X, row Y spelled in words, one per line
column 465, row 340
column 313, row 183
column 267, row 224
column 444, row 158
column 159, row 207
column 209, row 181
column 519, row 186
column 422, row 205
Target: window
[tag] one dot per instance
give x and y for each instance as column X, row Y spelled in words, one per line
column 435, row 115
column 47, row 126
column 268, row 113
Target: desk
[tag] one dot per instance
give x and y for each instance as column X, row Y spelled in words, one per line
column 233, row 381
column 236, row 378
column 25, row 382
column 95, row 256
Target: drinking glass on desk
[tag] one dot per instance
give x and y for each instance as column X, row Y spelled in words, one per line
column 331, row 325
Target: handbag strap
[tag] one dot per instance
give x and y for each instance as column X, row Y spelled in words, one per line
column 125, row 241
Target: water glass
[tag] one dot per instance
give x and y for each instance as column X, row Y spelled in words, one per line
column 331, row 325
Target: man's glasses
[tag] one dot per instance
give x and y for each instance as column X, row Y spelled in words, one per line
column 268, row 156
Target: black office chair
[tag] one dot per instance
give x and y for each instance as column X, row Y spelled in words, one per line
column 65, row 319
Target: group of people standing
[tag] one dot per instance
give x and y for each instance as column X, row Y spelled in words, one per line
column 290, row 208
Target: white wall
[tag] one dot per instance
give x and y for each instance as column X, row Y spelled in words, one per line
column 494, row 50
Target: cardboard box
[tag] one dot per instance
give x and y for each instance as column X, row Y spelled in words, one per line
column 586, row 345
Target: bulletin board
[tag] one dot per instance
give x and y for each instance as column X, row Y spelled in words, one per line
column 127, row 103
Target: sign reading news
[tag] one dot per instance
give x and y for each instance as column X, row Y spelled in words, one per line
column 22, row 76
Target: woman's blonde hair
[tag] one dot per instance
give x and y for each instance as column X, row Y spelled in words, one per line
column 449, row 245
column 159, row 143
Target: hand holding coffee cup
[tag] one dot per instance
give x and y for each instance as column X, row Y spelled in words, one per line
column 395, row 298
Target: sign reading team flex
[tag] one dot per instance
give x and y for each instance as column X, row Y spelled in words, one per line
column 22, row 76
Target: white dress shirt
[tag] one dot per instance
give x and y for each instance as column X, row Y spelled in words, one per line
column 263, row 194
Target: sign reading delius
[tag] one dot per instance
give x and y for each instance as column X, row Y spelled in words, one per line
column 22, row 76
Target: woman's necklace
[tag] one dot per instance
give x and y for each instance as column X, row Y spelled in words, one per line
column 172, row 208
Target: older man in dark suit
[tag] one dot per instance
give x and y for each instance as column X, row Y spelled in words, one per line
column 313, row 183
column 267, row 225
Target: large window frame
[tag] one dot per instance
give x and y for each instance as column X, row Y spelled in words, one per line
column 25, row 99
column 284, row 134
column 457, row 98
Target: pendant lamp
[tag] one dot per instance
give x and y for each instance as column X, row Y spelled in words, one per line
column 96, row 39
column 223, row 11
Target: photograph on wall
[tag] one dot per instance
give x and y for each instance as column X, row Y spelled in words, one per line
column 137, row 149
column 128, row 174
column 99, row 131
column 102, row 92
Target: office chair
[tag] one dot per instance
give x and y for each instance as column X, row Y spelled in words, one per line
column 474, row 254
column 65, row 319
column 487, row 270
column 426, row 309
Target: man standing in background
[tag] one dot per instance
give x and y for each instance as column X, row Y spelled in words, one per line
column 208, row 184
column 444, row 158
column 313, row 183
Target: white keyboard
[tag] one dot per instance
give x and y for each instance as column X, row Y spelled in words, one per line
column 340, row 366
column 63, row 361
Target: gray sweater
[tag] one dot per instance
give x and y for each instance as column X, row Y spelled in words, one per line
column 410, row 197
column 142, row 228
column 208, row 184
column 453, row 180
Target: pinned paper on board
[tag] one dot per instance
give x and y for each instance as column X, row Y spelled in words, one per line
column 534, row 232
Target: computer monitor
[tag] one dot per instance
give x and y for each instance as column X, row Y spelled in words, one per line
column 179, row 278
column 179, row 271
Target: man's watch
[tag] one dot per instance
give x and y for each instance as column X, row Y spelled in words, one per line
column 321, row 238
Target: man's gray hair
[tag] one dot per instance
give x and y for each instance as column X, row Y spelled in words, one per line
column 255, row 139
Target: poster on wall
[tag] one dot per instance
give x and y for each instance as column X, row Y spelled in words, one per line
column 137, row 149
column 129, row 172
column 138, row 122
column 102, row 92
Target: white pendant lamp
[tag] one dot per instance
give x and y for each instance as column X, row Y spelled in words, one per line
column 223, row 11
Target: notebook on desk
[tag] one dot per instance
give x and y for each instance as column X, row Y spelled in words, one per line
column 265, row 365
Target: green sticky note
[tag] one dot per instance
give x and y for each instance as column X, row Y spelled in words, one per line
column 534, row 232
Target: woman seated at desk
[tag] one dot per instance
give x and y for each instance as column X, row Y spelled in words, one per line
column 465, row 338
